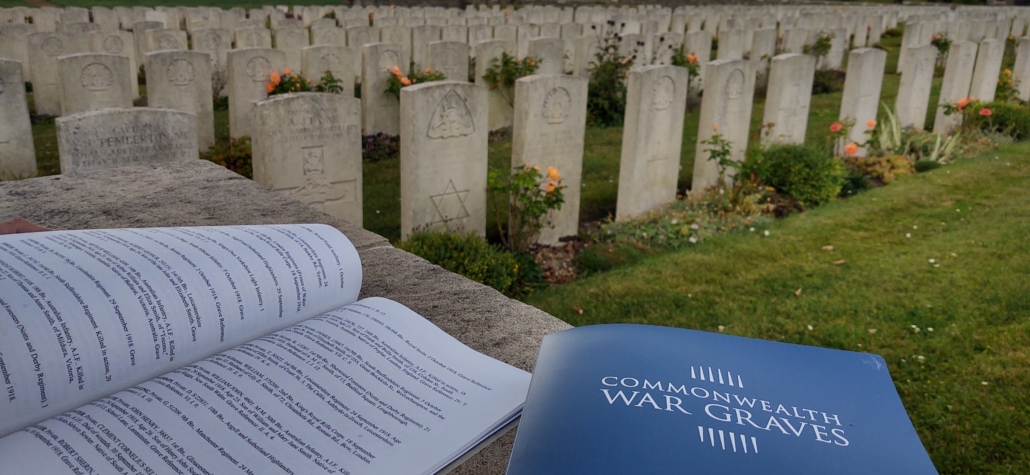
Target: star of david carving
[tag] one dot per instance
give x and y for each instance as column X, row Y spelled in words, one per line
column 449, row 205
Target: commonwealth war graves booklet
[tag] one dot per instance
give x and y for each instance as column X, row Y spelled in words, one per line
column 227, row 350
column 637, row 399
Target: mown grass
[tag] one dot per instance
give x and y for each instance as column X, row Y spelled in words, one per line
column 968, row 397
column 224, row 4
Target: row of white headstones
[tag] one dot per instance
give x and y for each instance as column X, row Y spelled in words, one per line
column 308, row 146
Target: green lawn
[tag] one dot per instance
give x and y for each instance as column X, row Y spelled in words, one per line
column 968, row 396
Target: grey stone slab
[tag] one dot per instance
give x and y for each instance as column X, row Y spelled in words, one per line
column 113, row 138
column 199, row 193
column 17, row 149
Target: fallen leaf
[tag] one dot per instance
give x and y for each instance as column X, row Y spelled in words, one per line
column 828, row 248
column 578, row 309
column 837, row 263
column 797, row 293
column 871, row 331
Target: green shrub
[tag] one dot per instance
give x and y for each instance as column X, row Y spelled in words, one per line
column 926, row 165
column 505, row 70
column 473, row 257
column 827, row 81
column 606, row 92
column 1005, row 117
column 809, row 174
column 234, row 155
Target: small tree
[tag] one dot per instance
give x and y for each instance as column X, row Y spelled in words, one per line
column 606, row 93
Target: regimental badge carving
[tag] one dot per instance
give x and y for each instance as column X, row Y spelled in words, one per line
column 452, row 118
column 664, row 93
column 317, row 189
column 451, row 63
column 292, row 38
column 556, row 105
column 113, row 45
column 735, row 84
column 181, row 72
column 52, row 46
column 330, row 62
column 449, row 205
column 259, row 68
column 395, row 37
column 97, row 77
column 388, row 59
column 329, row 38
column 212, row 41
column 363, row 37
column 254, row 39
column 167, row 42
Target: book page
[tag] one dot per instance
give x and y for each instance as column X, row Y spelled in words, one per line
column 84, row 314
column 371, row 388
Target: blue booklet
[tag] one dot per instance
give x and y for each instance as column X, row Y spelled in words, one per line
column 629, row 399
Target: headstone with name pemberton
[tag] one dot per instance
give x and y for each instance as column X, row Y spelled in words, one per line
column 112, row 138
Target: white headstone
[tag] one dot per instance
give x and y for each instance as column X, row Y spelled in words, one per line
column 93, row 81
column 788, row 98
column 216, row 42
column 551, row 55
column 958, row 75
column 44, row 49
column 17, row 149
column 249, row 71
column 727, row 101
column 380, row 112
column 113, row 138
column 914, row 88
column 451, row 58
column 1021, row 70
column 120, row 43
column 988, row 66
column 652, row 138
column 181, row 80
column 316, row 60
column 421, row 37
column 861, row 99
column 290, row 41
column 443, row 157
column 252, row 38
column 550, row 121
column 14, row 45
column 159, row 40
column 586, row 51
column 731, row 44
column 501, row 112
column 307, row 147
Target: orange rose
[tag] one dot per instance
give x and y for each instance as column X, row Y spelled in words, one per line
column 287, row 71
column 550, row 186
column 406, row 81
column 275, row 78
column 396, row 71
column 851, row 149
column 269, row 88
column 870, row 123
column 985, row 112
column 836, row 126
column 553, row 173
column 527, row 166
column 962, row 103
column 427, row 70
column 715, row 127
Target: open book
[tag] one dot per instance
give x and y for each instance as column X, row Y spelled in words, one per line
column 227, row 350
